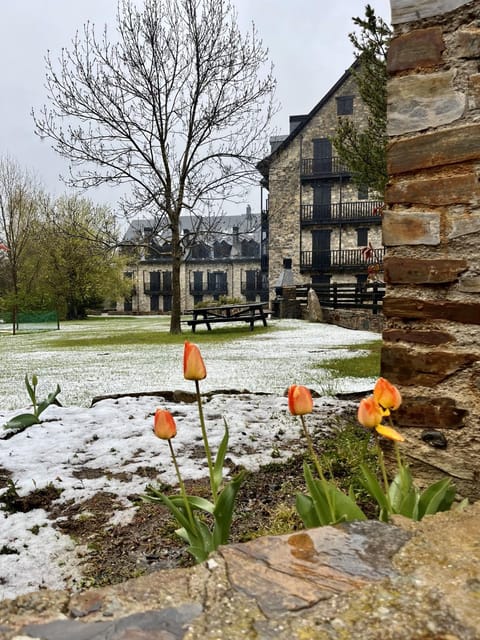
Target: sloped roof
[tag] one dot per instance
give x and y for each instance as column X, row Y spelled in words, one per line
column 264, row 165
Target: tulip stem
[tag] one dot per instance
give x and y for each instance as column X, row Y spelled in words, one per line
column 205, row 443
column 182, row 487
column 317, row 464
column 313, row 455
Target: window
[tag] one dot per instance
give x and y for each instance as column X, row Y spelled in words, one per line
column 363, row 192
column 362, row 237
column 344, row 105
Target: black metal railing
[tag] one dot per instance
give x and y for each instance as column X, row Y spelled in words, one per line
column 204, row 290
column 339, row 259
column 341, row 212
column 157, row 290
column 353, row 295
column 318, row 167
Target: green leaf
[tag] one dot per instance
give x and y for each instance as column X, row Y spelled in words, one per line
column 31, row 391
column 319, row 499
column 21, row 422
column 220, row 459
column 50, row 399
column 306, row 511
column 223, row 512
column 439, row 496
column 403, row 495
column 373, row 488
column 197, row 503
column 330, row 504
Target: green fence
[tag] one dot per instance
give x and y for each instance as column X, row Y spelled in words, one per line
column 30, row 321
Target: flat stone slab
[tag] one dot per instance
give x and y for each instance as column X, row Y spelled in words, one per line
column 365, row 580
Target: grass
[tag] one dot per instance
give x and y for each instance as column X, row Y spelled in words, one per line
column 365, row 364
column 151, row 331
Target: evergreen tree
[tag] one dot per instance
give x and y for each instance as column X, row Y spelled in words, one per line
column 363, row 150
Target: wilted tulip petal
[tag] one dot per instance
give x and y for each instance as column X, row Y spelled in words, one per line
column 164, row 425
column 193, row 365
column 388, row 432
column 299, row 400
column 386, row 394
column 369, row 413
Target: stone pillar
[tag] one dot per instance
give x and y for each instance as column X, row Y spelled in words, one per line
column 431, row 229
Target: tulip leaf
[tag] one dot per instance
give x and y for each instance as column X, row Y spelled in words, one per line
column 30, row 390
column 373, row 488
column 21, row 422
column 221, row 453
column 196, row 502
column 223, row 512
column 439, row 496
column 329, row 505
column 50, row 399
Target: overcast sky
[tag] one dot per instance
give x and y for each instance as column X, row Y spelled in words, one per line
column 307, row 41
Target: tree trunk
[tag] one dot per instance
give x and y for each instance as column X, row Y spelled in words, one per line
column 175, row 325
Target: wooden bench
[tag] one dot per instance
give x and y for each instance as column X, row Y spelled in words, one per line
column 249, row 312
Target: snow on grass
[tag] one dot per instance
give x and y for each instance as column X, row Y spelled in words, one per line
column 113, row 439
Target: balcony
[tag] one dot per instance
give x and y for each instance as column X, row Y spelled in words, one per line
column 328, row 167
column 339, row 260
column 157, row 290
column 208, row 290
column 341, row 213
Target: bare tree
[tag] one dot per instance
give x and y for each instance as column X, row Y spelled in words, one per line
column 178, row 106
column 20, row 202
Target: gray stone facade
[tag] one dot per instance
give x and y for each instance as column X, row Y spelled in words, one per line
column 317, row 217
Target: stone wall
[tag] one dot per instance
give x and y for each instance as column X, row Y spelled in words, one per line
column 431, row 231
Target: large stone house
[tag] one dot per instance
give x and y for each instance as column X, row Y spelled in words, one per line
column 222, row 259
column 319, row 221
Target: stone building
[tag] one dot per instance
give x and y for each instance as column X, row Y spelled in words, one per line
column 222, row 259
column 317, row 217
column 431, row 230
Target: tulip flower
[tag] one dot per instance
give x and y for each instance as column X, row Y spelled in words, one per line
column 369, row 413
column 299, row 400
column 387, row 395
column 164, row 425
column 193, row 365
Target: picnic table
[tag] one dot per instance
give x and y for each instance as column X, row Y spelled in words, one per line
column 250, row 312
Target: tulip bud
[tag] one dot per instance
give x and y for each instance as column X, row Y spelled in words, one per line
column 299, row 400
column 386, row 394
column 369, row 413
column 193, row 365
column 164, row 425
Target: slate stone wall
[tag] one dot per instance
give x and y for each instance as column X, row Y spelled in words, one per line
column 431, row 230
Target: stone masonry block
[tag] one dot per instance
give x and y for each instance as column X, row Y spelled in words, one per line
column 443, row 147
column 430, row 413
column 408, row 366
column 422, row 101
column 418, row 49
column 468, row 41
column 418, row 336
column 417, row 309
column 410, row 228
column 437, row 190
column 413, row 10
column 416, row 271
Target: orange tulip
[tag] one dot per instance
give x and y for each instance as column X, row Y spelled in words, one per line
column 386, row 394
column 164, row 425
column 369, row 413
column 299, row 400
column 193, row 365
column 388, row 432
